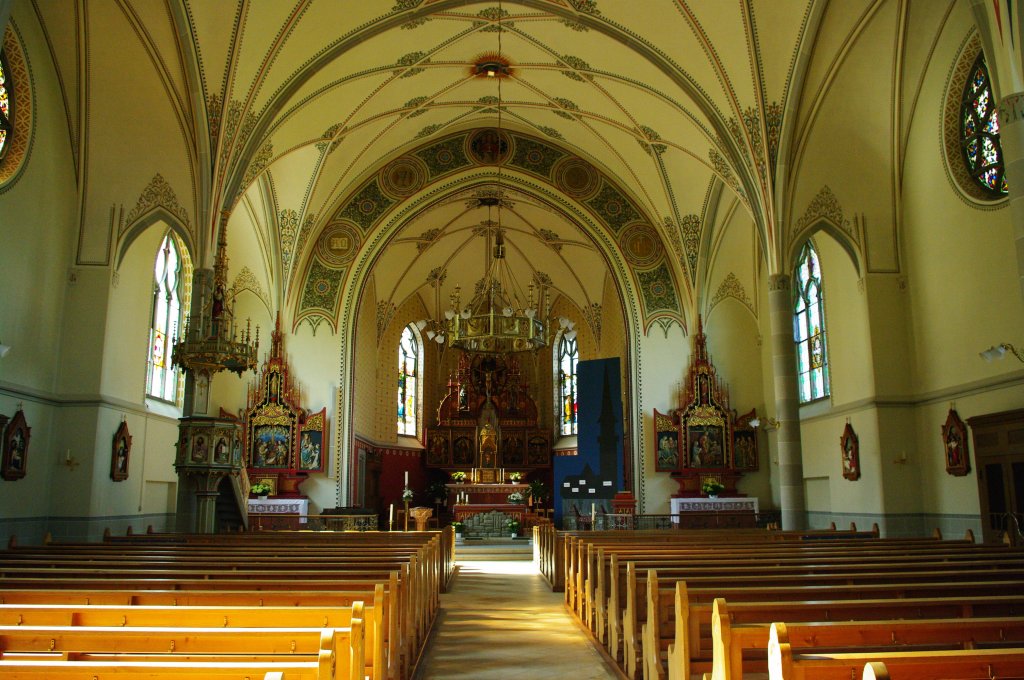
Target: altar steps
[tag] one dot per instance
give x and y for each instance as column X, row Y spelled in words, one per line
column 494, row 550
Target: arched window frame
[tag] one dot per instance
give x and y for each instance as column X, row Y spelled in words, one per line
column 410, row 382
column 809, row 333
column 567, row 358
column 170, row 300
column 980, row 147
column 7, row 104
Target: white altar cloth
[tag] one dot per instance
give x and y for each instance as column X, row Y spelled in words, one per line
column 281, row 506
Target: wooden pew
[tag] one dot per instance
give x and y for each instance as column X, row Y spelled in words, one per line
column 784, row 664
column 311, row 617
column 691, row 648
column 732, row 641
column 324, row 665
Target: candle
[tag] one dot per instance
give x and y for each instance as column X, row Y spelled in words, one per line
column 407, row 478
column 391, row 514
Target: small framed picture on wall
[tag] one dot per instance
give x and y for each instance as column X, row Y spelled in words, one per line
column 850, row 447
column 954, row 443
column 15, row 449
column 120, row 453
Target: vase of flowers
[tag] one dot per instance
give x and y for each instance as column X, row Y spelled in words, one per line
column 514, row 477
column 407, row 494
column 459, row 477
column 513, row 527
column 515, row 497
column 460, row 529
column 260, row 489
column 712, row 487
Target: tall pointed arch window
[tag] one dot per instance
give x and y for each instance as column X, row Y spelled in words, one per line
column 6, row 105
column 408, row 382
column 168, row 284
column 809, row 327
column 568, row 357
column 979, row 131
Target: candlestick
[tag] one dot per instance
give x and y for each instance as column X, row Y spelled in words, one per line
column 391, row 516
column 407, row 478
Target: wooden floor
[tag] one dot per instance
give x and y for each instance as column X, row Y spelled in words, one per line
column 500, row 621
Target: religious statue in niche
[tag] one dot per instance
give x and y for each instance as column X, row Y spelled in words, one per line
column 120, row 452
column 954, row 443
column 850, row 447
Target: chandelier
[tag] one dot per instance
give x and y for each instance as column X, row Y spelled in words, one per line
column 214, row 343
column 499, row 318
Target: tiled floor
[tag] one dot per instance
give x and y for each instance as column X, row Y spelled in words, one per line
column 500, row 621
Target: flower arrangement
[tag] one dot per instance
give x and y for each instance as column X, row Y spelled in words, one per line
column 712, row 487
column 515, row 476
column 459, row 476
column 407, row 494
column 538, row 491
column 459, row 527
column 260, row 489
column 512, row 525
column 515, row 497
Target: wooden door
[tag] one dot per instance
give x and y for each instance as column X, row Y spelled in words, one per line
column 999, row 461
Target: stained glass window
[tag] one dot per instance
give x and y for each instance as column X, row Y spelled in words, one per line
column 408, row 381
column 979, row 131
column 162, row 379
column 568, row 356
column 6, row 105
column 809, row 327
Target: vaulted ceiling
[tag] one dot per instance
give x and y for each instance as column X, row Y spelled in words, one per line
column 279, row 112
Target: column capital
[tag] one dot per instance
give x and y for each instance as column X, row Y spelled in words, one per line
column 778, row 282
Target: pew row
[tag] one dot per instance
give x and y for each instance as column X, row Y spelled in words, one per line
column 785, row 664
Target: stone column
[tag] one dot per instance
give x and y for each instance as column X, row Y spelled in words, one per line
column 787, row 403
column 1011, row 136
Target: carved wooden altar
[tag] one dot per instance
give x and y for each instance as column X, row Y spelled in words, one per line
column 283, row 440
column 487, row 419
column 703, row 439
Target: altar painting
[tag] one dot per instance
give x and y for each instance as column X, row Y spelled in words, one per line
column 313, row 443
column 666, row 434
column 705, row 446
column 271, row 446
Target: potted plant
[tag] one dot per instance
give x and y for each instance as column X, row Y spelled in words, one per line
column 515, row 497
column 514, row 477
column 438, row 491
column 712, row 487
column 513, row 527
column 459, row 528
column 538, row 492
column 261, row 489
column 459, row 477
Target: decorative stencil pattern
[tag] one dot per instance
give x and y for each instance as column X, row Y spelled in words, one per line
column 158, row 193
column 385, row 312
column 614, row 208
column 288, row 226
column 246, row 280
column 367, row 206
column 536, row 157
column 592, row 315
column 445, row 156
column 404, row 177
column 338, row 244
column 690, row 229
column 322, row 290
column 732, row 288
column 824, row 206
column 641, row 245
column 577, row 178
column 658, row 290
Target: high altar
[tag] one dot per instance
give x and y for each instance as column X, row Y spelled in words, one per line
column 487, row 426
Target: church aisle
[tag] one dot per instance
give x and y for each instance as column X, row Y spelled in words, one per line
column 500, row 621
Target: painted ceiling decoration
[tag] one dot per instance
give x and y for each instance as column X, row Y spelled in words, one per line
column 416, row 171
column 670, row 121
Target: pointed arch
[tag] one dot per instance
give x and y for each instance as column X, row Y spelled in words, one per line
column 809, row 333
column 410, row 381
